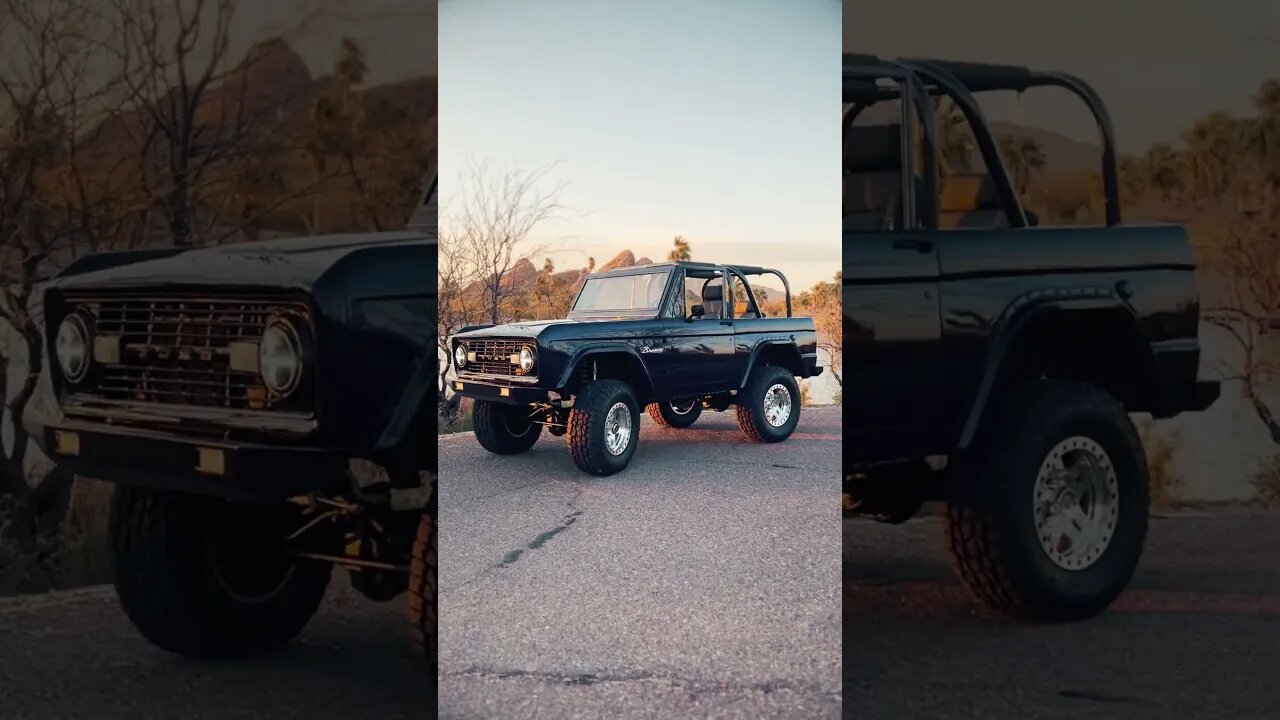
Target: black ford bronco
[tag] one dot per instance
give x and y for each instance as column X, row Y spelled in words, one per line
column 265, row 411
column 994, row 364
column 678, row 337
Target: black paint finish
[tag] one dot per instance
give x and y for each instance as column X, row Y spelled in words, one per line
column 672, row 357
column 372, row 358
column 925, row 329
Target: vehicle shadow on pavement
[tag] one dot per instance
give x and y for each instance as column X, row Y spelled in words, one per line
column 1192, row 637
column 353, row 661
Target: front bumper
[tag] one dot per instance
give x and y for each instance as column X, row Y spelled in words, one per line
column 498, row 391
column 204, row 466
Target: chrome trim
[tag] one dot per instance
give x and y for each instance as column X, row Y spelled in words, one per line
column 156, row 413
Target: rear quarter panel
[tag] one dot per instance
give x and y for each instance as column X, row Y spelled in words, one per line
column 987, row 278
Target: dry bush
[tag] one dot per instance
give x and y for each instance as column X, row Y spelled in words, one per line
column 77, row 556
column 1165, row 482
column 1266, row 480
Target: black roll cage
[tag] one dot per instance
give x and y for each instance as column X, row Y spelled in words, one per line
column 675, row 281
column 920, row 80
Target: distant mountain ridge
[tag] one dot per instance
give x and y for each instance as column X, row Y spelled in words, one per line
column 1062, row 154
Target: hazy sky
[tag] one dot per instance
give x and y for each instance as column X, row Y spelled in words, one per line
column 1159, row 64
column 712, row 119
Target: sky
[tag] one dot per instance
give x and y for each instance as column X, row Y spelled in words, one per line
column 714, row 120
column 1158, row 64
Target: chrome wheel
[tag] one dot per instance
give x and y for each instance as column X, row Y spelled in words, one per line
column 777, row 405
column 684, row 409
column 617, row 428
column 1076, row 503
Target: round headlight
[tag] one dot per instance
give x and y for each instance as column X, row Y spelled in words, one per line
column 280, row 357
column 72, row 348
column 460, row 355
column 526, row 359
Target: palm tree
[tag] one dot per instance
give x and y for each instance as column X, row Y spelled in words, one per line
column 955, row 140
column 681, row 251
column 1023, row 158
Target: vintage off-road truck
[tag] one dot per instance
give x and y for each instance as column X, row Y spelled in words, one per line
column 677, row 337
column 993, row 364
column 266, row 412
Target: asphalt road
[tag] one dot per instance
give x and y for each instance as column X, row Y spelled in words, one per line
column 702, row 581
column 74, row 655
column 1198, row 635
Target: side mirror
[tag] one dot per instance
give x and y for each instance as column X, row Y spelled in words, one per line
column 696, row 312
column 1033, row 220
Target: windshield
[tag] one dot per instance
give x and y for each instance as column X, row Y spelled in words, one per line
column 622, row 292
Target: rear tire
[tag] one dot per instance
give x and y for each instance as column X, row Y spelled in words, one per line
column 422, row 590
column 604, row 427
column 673, row 415
column 776, row 387
column 208, row 578
column 504, row 429
column 1021, row 537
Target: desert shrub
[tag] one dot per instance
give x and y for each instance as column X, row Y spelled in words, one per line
column 458, row 422
column 1166, row 483
column 78, row 555
column 1266, row 480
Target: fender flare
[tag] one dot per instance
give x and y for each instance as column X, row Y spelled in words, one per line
column 612, row 348
column 397, row 429
column 1022, row 314
column 755, row 353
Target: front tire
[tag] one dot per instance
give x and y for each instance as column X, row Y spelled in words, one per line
column 681, row 414
column 769, row 406
column 208, row 578
column 1052, row 515
column 504, row 429
column 604, row 427
column 422, row 590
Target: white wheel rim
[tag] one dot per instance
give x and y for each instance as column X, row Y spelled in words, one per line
column 1076, row 503
column 777, row 405
column 683, row 410
column 617, row 428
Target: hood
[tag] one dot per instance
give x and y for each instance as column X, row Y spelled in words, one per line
column 530, row 329
column 284, row 262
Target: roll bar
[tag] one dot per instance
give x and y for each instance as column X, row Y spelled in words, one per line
column 959, row 81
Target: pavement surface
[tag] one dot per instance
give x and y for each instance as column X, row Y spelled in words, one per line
column 75, row 655
column 1197, row 635
column 701, row 582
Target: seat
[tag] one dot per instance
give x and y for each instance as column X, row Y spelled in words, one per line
column 872, row 177
column 970, row 201
column 712, row 300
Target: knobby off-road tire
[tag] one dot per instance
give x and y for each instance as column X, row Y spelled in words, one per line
column 667, row 414
column 590, row 427
column 773, row 384
column 422, row 590
column 993, row 531
column 504, row 429
column 191, row 591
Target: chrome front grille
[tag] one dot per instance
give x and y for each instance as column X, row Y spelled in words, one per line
column 180, row 350
column 493, row 357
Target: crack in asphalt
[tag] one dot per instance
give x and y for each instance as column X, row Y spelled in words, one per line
column 540, row 539
column 600, row 678
column 1099, row 697
column 510, row 558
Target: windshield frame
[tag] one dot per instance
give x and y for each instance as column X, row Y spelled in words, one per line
column 624, row 313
